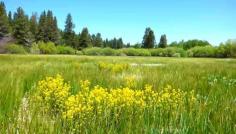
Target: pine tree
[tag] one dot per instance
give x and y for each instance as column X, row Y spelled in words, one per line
column 10, row 21
column 163, row 42
column 148, row 39
column 84, row 40
column 114, row 43
column 69, row 34
column 98, row 40
column 106, row 43
column 120, row 43
column 42, row 26
column 49, row 26
column 55, row 31
column 21, row 30
column 4, row 25
column 93, row 40
column 128, row 45
column 34, row 26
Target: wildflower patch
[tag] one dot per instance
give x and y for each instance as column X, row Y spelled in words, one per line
column 98, row 103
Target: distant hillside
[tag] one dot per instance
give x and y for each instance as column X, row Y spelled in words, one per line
column 4, row 41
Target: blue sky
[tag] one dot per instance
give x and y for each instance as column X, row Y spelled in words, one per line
column 212, row 20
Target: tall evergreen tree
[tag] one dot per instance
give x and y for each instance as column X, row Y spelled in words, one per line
column 4, row 26
column 106, row 43
column 47, row 28
column 33, row 26
column 52, row 29
column 120, row 43
column 128, row 45
column 55, row 31
column 114, row 43
column 69, row 34
column 21, row 29
column 148, row 38
column 93, row 39
column 10, row 21
column 42, row 26
column 98, row 40
column 163, row 42
column 84, row 40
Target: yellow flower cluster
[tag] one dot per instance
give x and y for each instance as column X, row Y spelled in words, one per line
column 116, row 67
column 95, row 102
column 130, row 81
column 53, row 92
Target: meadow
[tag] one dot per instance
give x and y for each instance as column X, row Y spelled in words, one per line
column 106, row 94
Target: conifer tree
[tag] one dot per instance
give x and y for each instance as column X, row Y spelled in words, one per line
column 120, row 43
column 163, row 42
column 148, row 38
column 84, row 40
column 98, row 40
column 21, row 31
column 42, row 27
column 4, row 25
column 69, row 34
column 33, row 26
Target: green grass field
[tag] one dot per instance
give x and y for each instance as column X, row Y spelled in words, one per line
column 213, row 80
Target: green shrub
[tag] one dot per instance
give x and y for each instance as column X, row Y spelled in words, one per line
column 93, row 51
column 77, row 52
column 65, row 50
column 221, row 51
column 109, row 51
column 135, row 52
column 156, row 52
column 177, row 55
column 34, row 49
column 101, row 51
column 15, row 49
column 168, row 52
column 47, row 48
column 182, row 52
column 231, row 48
column 207, row 51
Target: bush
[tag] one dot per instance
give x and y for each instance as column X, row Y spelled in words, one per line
column 47, row 48
column 157, row 52
column 231, row 48
column 101, row 51
column 15, row 49
column 135, row 52
column 177, row 55
column 93, row 51
column 207, row 51
column 194, row 43
column 35, row 49
column 78, row 52
column 110, row 52
column 168, row 52
column 65, row 50
column 221, row 51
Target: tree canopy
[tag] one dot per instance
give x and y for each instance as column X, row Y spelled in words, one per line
column 148, row 38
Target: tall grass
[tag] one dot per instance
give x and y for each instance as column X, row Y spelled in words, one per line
column 212, row 79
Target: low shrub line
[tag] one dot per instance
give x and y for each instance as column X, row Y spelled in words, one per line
column 222, row 51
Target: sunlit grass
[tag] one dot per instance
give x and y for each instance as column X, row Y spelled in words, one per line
column 213, row 80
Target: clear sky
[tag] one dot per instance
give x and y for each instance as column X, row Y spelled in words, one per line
column 212, row 20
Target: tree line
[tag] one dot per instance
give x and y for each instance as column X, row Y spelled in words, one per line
column 28, row 30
